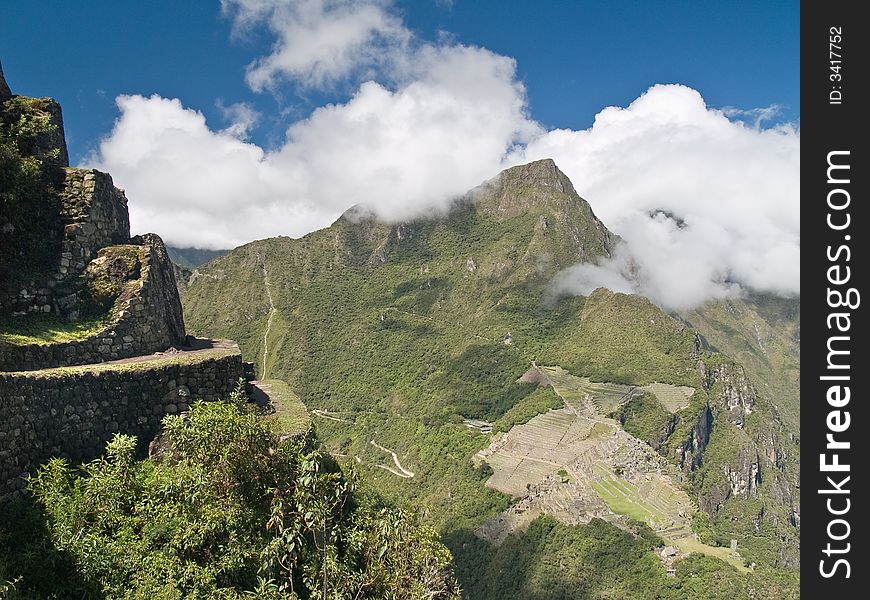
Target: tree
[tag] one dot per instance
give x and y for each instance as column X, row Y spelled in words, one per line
column 233, row 509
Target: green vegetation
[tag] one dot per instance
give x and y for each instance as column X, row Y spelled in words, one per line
column 403, row 330
column 755, row 523
column 31, row 176
column 674, row 398
column 108, row 275
column 538, row 402
column 29, row 203
column 551, row 561
column 191, row 258
column 393, row 334
column 623, row 498
column 575, row 390
column 290, row 413
column 658, row 504
column 229, row 510
column 447, row 485
column 628, row 339
column 46, row 329
column 645, row 418
column 105, row 280
column 762, row 332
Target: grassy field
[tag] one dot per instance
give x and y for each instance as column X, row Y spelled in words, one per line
column 575, row 390
column 690, row 544
column 46, row 329
column 290, row 413
column 588, row 447
column 659, row 504
column 672, row 397
column 656, row 502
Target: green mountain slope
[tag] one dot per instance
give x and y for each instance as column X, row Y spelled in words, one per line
column 763, row 333
column 393, row 333
column 191, row 258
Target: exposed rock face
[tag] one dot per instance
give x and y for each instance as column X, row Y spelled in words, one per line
column 5, row 92
column 526, row 188
column 742, row 479
column 663, row 436
column 737, row 395
column 745, row 481
column 538, row 173
column 690, row 452
column 565, row 229
column 757, row 469
column 161, row 296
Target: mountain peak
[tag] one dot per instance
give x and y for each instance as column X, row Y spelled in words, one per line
column 542, row 172
column 537, row 199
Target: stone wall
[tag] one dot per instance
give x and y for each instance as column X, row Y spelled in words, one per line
column 146, row 318
column 160, row 292
column 93, row 215
column 30, row 223
column 73, row 412
column 67, row 251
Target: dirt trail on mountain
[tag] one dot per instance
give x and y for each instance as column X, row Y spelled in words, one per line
column 326, row 414
column 403, row 472
column 272, row 311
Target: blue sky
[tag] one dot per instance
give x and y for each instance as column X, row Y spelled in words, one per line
column 234, row 120
column 574, row 57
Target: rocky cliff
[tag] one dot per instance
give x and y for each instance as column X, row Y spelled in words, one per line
column 68, row 255
column 78, row 292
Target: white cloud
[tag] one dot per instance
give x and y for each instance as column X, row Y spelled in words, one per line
column 241, row 117
column 319, row 41
column 704, row 202
column 401, row 151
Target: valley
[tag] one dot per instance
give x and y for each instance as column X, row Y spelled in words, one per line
column 406, row 340
column 388, row 350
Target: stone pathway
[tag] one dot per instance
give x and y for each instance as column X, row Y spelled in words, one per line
column 195, row 347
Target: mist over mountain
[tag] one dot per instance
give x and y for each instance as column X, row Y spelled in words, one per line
column 410, row 336
column 190, row 258
column 424, row 121
column 392, row 333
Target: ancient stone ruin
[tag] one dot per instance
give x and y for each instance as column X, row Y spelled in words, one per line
column 67, row 259
column 96, row 270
